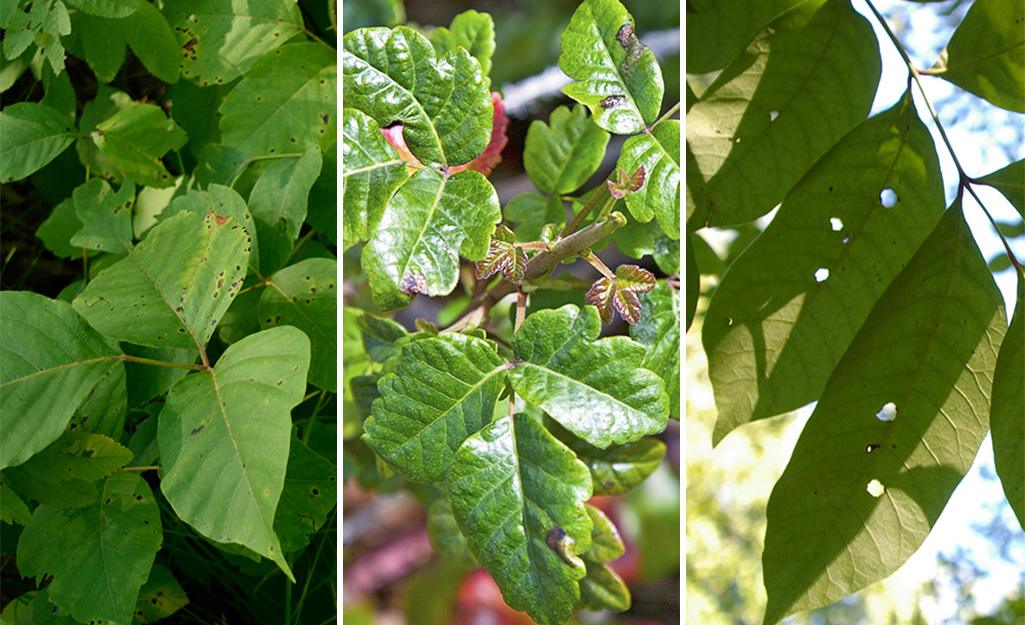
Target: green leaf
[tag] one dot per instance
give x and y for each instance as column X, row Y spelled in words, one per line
column 659, row 154
column 475, row 32
column 103, row 42
column 1006, row 415
column 863, row 488
column 659, row 331
column 443, row 103
column 304, row 295
column 160, row 597
column 224, row 436
column 286, row 101
column 510, row 486
column 153, row 41
column 80, row 456
column 985, row 54
column 602, row 589
column 58, row 92
column 718, row 31
column 100, row 555
column 428, row 222
column 225, row 202
column 220, row 39
column 805, row 80
column 32, row 135
column 107, row 102
column 618, row 469
column 64, row 495
column 371, row 171
column 310, row 493
column 693, row 280
column 619, row 78
column 1011, row 182
column 533, row 211
column 773, row 338
column 12, row 508
column 594, row 388
column 443, row 390
column 56, row 232
column 445, row 535
column 104, row 8
column 174, row 286
column 560, row 156
column 283, row 189
column 106, row 216
column 51, row 360
column 136, row 138
column 606, row 545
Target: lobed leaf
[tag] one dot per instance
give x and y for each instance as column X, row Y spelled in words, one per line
column 626, row 184
column 443, row 390
column 303, row 295
column 443, row 103
column 474, row 32
column 371, row 171
column 32, row 135
column 1006, row 410
column 560, row 156
column 619, row 468
column 618, row 76
column 221, row 39
column 511, row 485
column 621, row 293
column 106, row 216
column 594, row 388
column 52, row 359
column 805, row 79
column 659, row 331
column 986, row 54
column 533, row 211
column 285, row 101
column 174, row 286
column 427, row 223
column 100, row 555
column 773, row 339
column 503, row 256
column 136, row 138
column 658, row 153
column 224, row 435
column 862, row 490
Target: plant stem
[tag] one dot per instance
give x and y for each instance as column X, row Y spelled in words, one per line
column 595, row 199
column 160, row 363
column 595, row 262
column 668, row 114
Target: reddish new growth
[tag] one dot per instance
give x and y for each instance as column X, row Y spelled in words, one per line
column 620, row 293
column 491, row 156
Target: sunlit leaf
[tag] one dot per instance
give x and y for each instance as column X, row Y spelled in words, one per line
column 474, row 32
column 620, row 293
column 659, row 330
column 1006, row 414
column 659, row 154
column 371, row 171
column 1011, row 182
column 561, row 155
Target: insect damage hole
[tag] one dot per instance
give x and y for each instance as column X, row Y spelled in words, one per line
column 888, row 412
column 876, row 488
column 888, row 198
column 836, row 224
column 773, row 115
column 821, row 274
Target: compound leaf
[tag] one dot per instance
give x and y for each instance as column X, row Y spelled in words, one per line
column 896, row 428
column 51, row 361
column 594, row 388
column 986, row 54
column 106, row 216
column 174, row 286
column 1006, row 412
column 561, row 155
column 136, row 138
column 224, row 436
column 371, row 171
column 221, row 39
column 285, row 101
column 427, row 223
column 619, row 78
column 446, row 537
column 517, row 494
column 32, row 135
column 619, row 468
column 443, row 390
column 773, row 338
column 99, row 555
column 805, row 80
column 284, row 188
column 304, row 295
column 659, row 154
column 443, row 103
column 310, row 493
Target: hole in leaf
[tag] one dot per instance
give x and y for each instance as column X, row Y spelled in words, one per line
column 821, row 274
column 876, row 488
column 871, row 447
column 847, row 239
column 888, row 198
column 836, row 223
column 773, row 115
column 729, row 321
column 888, row 412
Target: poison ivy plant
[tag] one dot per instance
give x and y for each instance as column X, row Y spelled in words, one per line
column 864, row 293
column 512, row 427
column 167, row 405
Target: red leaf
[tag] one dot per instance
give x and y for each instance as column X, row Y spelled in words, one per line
column 625, row 186
column 628, row 305
column 393, row 135
column 600, row 296
column 634, row 279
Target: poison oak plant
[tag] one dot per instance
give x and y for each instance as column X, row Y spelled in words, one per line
column 160, row 415
column 863, row 293
column 513, row 428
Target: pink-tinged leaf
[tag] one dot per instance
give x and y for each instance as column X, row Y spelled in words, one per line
column 600, row 296
column 504, row 257
column 634, row 279
column 492, row 154
column 628, row 305
column 393, row 134
column 624, row 186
